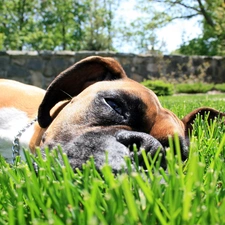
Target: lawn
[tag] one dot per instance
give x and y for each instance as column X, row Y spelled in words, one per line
column 189, row 193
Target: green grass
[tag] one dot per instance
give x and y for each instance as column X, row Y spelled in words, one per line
column 197, row 87
column 183, row 104
column 187, row 193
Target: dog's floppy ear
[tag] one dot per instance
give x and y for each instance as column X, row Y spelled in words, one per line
column 211, row 114
column 75, row 79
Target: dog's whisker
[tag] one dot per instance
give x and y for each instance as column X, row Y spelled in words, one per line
column 66, row 94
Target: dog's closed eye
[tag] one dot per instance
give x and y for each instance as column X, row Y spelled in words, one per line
column 115, row 106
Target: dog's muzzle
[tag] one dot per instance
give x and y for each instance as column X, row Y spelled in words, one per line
column 118, row 144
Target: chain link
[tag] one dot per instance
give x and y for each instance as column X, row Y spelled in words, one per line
column 16, row 141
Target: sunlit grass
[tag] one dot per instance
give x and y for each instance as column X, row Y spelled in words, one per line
column 183, row 104
column 190, row 193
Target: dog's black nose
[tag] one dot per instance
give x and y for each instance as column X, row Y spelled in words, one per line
column 142, row 141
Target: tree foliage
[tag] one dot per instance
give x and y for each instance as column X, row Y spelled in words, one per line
column 211, row 16
column 56, row 24
column 89, row 25
column 99, row 25
column 140, row 33
column 59, row 25
column 17, row 19
column 212, row 41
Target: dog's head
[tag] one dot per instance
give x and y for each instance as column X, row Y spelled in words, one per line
column 93, row 107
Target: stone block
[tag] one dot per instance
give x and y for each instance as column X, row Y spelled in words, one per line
column 152, row 67
column 19, row 60
column 35, row 63
column 17, row 71
column 36, row 78
column 3, row 74
column 137, row 77
column 4, row 62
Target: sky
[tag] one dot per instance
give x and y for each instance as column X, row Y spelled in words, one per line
column 172, row 35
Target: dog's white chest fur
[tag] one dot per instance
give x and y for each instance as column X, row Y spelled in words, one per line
column 12, row 121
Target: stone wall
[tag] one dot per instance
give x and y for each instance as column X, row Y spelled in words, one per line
column 40, row 68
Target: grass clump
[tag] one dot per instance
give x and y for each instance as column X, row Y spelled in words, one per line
column 193, row 88
column 159, row 87
column 220, row 87
column 162, row 88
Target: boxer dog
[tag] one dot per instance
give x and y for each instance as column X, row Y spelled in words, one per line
column 90, row 108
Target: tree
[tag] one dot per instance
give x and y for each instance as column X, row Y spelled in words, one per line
column 99, row 27
column 140, row 33
column 36, row 24
column 56, row 24
column 211, row 15
column 16, row 18
column 212, row 41
column 59, row 25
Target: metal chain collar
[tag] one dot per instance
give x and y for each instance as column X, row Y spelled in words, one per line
column 16, row 140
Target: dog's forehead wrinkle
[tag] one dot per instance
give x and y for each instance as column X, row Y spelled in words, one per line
column 118, row 89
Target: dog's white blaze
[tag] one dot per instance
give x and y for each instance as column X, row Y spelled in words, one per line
column 12, row 121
